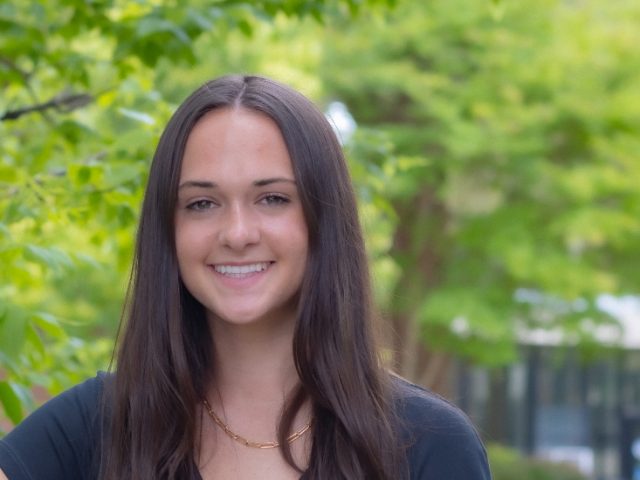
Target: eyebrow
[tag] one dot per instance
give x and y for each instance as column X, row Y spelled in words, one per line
column 196, row 184
column 258, row 183
column 268, row 181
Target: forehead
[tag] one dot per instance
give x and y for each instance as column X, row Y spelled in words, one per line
column 235, row 140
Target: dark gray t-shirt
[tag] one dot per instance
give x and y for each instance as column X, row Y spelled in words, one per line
column 60, row 439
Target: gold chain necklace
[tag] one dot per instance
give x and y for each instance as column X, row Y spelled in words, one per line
column 248, row 443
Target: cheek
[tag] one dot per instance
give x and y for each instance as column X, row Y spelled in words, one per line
column 290, row 234
column 299, row 246
column 191, row 242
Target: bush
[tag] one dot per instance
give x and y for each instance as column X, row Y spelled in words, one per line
column 508, row 464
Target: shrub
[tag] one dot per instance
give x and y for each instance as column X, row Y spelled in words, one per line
column 509, row 464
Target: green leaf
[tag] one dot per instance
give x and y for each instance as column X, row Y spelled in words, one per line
column 49, row 324
column 13, row 323
column 245, row 27
column 83, row 175
column 34, row 340
column 52, row 258
column 17, row 210
column 150, row 26
column 11, row 402
column 138, row 116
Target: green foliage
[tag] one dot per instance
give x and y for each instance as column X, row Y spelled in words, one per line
column 507, row 464
column 374, row 165
column 526, row 130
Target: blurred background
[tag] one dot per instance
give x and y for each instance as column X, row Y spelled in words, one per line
column 495, row 149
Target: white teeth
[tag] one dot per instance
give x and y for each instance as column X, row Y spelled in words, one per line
column 241, row 270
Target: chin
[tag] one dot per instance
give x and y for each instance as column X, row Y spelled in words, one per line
column 239, row 317
column 248, row 318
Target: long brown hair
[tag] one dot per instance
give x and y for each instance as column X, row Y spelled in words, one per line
column 164, row 357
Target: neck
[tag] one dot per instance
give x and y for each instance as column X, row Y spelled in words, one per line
column 253, row 379
column 253, row 363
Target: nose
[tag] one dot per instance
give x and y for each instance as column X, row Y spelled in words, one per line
column 239, row 228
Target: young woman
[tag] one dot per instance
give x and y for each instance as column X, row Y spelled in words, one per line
column 247, row 350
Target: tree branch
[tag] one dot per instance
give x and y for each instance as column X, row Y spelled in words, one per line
column 26, row 79
column 64, row 103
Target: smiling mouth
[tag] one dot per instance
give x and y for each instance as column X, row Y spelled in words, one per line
column 241, row 271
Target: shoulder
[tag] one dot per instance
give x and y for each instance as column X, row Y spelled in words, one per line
column 63, row 432
column 427, row 412
column 74, row 408
column 441, row 440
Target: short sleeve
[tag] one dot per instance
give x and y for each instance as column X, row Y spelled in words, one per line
column 57, row 441
column 442, row 442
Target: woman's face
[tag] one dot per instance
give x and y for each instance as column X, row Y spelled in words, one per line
column 241, row 237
